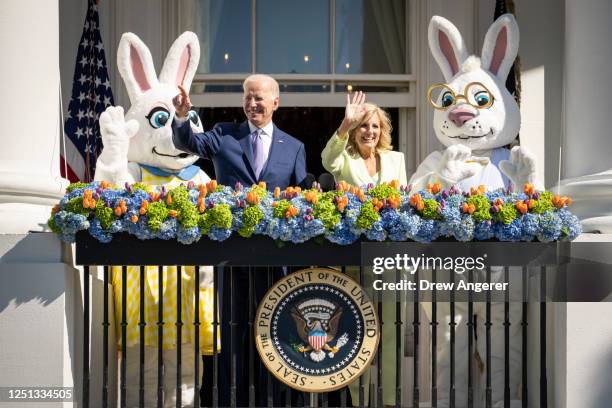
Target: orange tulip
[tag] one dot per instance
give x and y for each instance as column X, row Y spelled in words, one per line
column 252, row 198
column 521, row 207
column 415, row 199
column 434, row 188
column 531, row 203
column 262, row 184
column 529, row 189
column 395, row 184
column 118, row 211
column 211, row 185
column 173, row 213
column 134, row 219
column 168, row 199
column 276, row 192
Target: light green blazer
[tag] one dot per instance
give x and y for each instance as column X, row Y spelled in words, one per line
column 351, row 168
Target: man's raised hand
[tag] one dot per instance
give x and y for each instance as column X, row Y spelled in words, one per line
column 182, row 103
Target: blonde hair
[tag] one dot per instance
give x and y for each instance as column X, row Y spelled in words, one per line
column 262, row 78
column 384, row 142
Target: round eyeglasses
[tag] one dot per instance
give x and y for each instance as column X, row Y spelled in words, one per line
column 442, row 96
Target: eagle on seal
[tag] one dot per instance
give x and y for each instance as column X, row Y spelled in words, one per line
column 317, row 322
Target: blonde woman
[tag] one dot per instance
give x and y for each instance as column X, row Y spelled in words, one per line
column 359, row 152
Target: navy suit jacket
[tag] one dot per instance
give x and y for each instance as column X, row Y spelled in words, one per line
column 229, row 147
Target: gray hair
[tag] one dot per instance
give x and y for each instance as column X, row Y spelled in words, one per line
column 263, row 78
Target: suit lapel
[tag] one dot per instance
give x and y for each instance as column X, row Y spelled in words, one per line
column 247, row 146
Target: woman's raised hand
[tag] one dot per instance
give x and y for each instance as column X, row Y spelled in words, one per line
column 353, row 114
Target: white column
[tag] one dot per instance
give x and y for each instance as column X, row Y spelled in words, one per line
column 29, row 140
column 587, row 148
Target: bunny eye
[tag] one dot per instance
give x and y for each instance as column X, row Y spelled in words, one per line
column 482, row 98
column 158, row 117
column 194, row 118
column 447, row 99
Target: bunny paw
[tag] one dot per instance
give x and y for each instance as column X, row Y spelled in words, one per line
column 457, row 164
column 521, row 168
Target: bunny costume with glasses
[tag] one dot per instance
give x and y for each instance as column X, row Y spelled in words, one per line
column 475, row 117
column 138, row 147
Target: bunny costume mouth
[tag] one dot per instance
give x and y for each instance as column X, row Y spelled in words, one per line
column 464, row 136
column 178, row 156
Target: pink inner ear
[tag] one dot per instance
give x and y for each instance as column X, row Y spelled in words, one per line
column 138, row 70
column 183, row 63
column 448, row 51
column 500, row 50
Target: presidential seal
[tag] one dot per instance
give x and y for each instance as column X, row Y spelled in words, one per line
column 316, row 330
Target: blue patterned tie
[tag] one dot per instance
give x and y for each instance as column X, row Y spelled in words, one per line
column 258, row 152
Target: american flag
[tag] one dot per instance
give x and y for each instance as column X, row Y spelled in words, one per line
column 91, row 94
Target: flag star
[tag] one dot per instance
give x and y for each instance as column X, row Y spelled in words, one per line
column 80, row 115
column 97, row 99
column 97, row 81
column 107, row 101
column 99, row 46
column 106, row 83
column 81, row 97
column 83, row 61
column 82, row 79
column 99, row 63
column 79, row 132
column 84, row 44
column 86, row 24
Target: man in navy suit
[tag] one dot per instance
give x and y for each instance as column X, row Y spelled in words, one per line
column 250, row 152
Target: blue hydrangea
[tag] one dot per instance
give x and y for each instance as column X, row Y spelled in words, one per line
column 69, row 224
column 140, row 228
column 219, row 234
column 428, row 231
column 99, row 233
column 341, row 234
column 188, row 235
column 483, row 231
column 530, row 223
column 550, row 227
column 167, row 230
column 508, row 232
column 464, row 230
column 377, row 232
column 570, row 224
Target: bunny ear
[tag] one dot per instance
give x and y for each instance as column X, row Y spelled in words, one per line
column 135, row 65
column 182, row 61
column 501, row 46
column 447, row 46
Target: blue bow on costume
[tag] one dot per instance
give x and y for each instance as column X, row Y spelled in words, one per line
column 186, row 174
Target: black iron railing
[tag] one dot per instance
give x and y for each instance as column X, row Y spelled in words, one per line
column 263, row 252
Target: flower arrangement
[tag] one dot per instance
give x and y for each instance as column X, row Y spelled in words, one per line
column 383, row 212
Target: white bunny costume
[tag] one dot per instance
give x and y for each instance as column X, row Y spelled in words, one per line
column 138, row 147
column 475, row 123
column 476, row 137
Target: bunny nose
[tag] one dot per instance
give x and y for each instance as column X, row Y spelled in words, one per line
column 460, row 115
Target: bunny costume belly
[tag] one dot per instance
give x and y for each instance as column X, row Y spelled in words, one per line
column 490, row 176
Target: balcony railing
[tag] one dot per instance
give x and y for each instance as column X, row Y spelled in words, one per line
column 260, row 251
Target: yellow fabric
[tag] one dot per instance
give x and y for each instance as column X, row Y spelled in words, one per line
column 151, row 301
column 151, row 298
column 351, row 168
